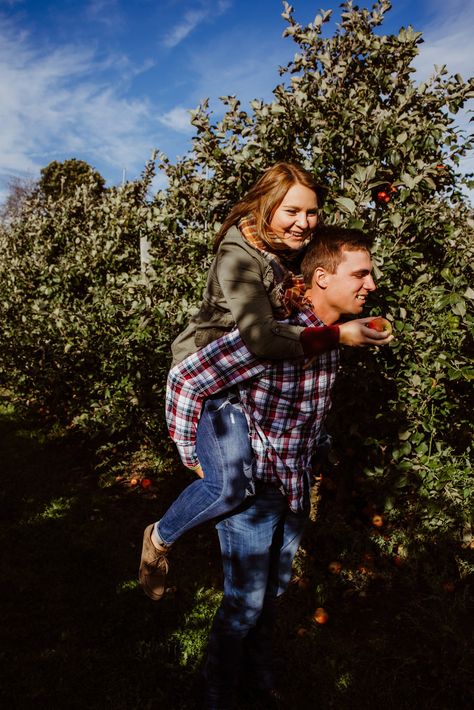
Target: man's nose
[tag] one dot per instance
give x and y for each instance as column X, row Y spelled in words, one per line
column 369, row 283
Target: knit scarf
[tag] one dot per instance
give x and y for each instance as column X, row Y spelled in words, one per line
column 290, row 287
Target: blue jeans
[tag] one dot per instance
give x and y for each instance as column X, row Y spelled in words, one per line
column 258, row 543
column 225, row 454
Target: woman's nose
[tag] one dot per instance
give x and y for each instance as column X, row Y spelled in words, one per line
column 302, row 220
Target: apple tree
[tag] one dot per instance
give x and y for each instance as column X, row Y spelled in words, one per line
column 389, row 149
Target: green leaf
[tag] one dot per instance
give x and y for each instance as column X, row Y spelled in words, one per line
column 346, row 204
column 459, row 308
column 408, row 180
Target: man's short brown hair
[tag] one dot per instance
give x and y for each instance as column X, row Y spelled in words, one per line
column 327, row 247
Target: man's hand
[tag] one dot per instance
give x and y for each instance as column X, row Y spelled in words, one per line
column 355, row 332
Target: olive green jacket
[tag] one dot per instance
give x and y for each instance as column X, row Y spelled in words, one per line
column 241, row 291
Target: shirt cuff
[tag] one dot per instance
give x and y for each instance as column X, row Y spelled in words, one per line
column 188, row 456
column 317, row 340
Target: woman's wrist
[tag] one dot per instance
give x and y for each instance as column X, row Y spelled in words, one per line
column 316, row 340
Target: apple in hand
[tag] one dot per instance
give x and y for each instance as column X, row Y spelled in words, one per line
column 381, row 325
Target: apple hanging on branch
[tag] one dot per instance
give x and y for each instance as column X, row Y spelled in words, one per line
column 384, row 196
column 381, row 325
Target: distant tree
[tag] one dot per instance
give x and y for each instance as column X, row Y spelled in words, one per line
column 19, row 190
column 61, row 179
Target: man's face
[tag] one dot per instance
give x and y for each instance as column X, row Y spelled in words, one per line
column 346, row 291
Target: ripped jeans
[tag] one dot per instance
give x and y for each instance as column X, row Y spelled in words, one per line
column 225, row 454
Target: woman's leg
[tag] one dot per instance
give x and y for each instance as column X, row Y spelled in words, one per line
column 225, row 454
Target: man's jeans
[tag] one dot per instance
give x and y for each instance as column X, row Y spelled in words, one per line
column 225, row 454
column 258, row 544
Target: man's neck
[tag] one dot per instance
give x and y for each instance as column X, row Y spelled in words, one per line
column 325, row 313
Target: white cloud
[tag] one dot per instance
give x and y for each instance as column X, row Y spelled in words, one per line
column 178, row 119
column 448, row 41
column 190, row 21
column 66, row 102
column 192, row 18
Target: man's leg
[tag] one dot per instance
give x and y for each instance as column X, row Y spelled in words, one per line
column 247, row 540
column 258, row 655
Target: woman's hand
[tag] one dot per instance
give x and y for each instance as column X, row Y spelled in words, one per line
column 355, row 332
column 197, row 470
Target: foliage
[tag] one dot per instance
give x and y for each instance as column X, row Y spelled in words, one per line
column 80, row 340
column 60, row 180
column 86, row 328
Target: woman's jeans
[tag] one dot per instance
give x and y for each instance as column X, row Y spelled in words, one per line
column 258, row 543
column 225, row 454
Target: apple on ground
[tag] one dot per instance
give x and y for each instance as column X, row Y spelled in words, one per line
column 320, row 616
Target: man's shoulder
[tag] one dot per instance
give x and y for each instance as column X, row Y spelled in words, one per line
column 307, row 317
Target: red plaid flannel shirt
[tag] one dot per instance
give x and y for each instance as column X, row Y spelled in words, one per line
column 285, row 402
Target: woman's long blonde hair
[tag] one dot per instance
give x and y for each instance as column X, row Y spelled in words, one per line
column 265, row 195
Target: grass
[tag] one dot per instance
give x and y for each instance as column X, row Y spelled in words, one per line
column 78, row 633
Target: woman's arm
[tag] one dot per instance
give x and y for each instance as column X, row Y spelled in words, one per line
column 241, row 280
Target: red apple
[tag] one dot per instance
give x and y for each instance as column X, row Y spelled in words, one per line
column 320, row 616
column 381, row 325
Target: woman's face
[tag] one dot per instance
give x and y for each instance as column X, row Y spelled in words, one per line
column 296, row 216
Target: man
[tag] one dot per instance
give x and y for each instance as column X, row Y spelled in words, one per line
column 285, row 403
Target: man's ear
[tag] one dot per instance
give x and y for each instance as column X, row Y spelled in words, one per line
column 320, row 277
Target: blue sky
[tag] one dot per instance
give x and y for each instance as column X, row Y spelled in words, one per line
column 107, row 81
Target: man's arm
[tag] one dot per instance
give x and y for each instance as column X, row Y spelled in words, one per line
column 217, row 367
